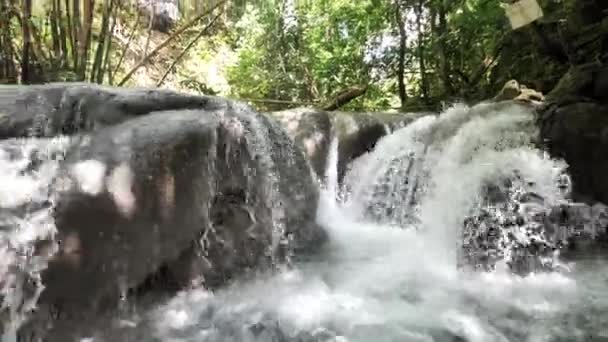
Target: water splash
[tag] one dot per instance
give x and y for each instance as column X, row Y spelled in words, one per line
column 436, row 174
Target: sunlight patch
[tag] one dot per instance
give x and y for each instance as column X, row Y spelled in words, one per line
column 119, row 185
column 89, row 175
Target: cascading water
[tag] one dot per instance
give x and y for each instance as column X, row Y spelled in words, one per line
column 27, row 169
column 378, row 282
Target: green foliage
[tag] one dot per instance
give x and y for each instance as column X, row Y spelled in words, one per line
column 294, row 52
column 307, row 55
column 476, row 32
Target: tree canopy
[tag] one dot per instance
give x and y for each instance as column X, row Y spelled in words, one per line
column 365, row 55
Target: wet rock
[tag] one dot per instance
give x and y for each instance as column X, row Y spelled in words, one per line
column 576, row 82
column 578, row 133
column 600, row 82
column 357, row 133
column 312, row 131
column 69, row 108
column 516, row 226
column 527, row 232
column 164, row 13
column 183, row 198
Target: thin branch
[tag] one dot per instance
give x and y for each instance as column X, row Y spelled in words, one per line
column 476, row 77
column 167, row 41
column 188, row 47
column 125, row 48
column 150, row 26
column 287, row 102
column 345, row 97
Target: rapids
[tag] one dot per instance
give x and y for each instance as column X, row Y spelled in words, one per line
column 390, row 271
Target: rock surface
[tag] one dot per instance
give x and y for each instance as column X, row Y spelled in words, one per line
column 198, row 191
column 357, row 133
column 578, row 133
column 68, row 108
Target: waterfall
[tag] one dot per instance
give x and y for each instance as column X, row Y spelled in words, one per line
column 381, row 185
column 434, row 175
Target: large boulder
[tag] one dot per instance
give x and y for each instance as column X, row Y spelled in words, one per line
column 357, row 132
column 182, row 197
column 578, row 132
column 68, row 108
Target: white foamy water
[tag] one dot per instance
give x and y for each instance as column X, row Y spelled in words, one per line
column 389, row 271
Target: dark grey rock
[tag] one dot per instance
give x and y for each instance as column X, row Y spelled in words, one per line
column 578, row 133
column 357, row 132
column 69, row 108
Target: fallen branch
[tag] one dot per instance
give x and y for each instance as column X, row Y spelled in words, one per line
column 167, row 41
column 409, row 108
column 286, row 102
column 187, row 48
column 345, row 97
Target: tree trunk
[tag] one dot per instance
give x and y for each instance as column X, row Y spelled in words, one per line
column 8, row 70
column 421, row 60
column 54, row 23
column 27, row 44
column 85, row 38
column 345, row 97
column 402, row 47
column 63, row 35
column 444, row 64
column 101, row 44
column 106, row 65
column 70, row 33
column 76, row 28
